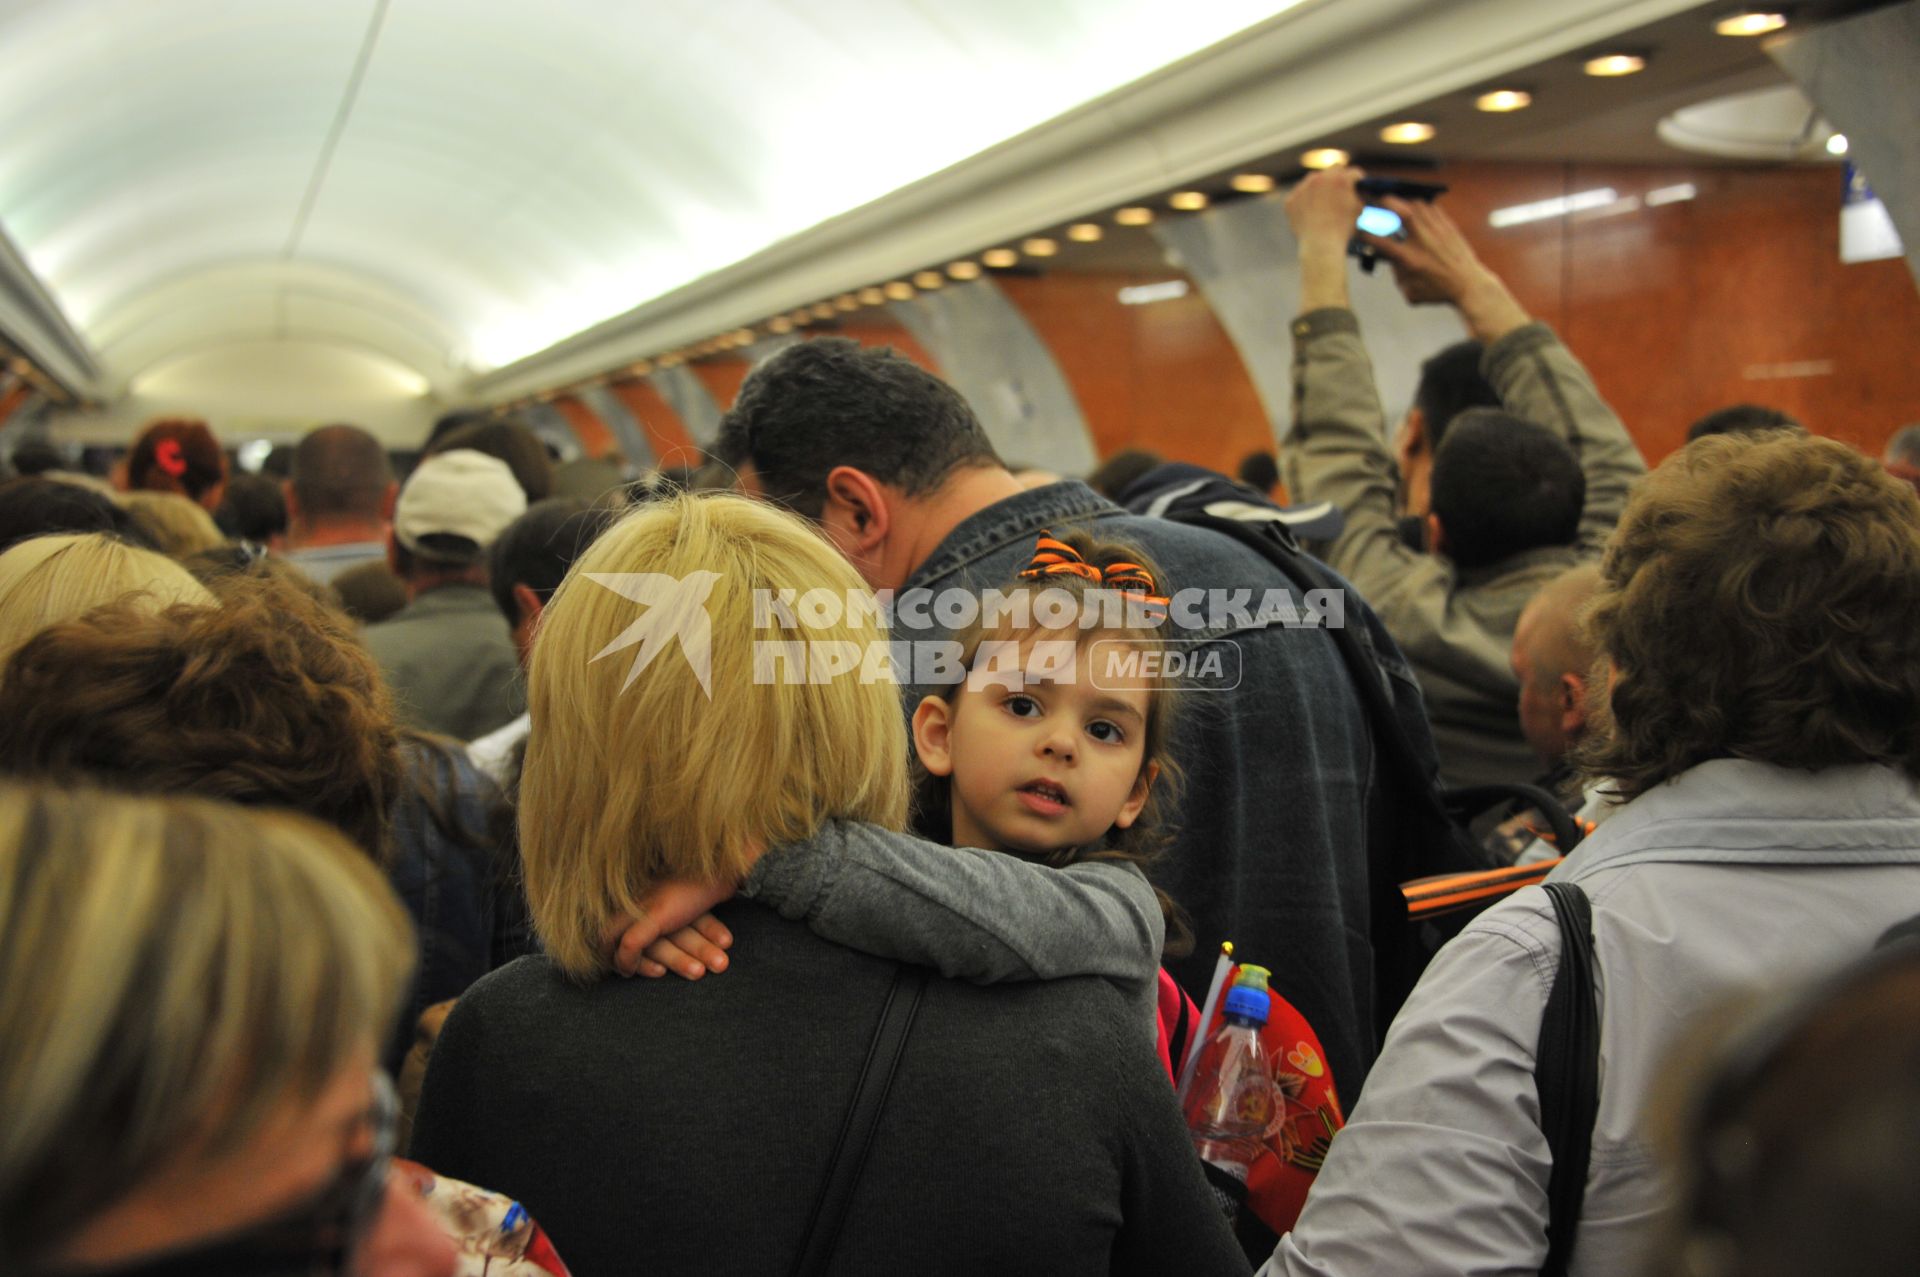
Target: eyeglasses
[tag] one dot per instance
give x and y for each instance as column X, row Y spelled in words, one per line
column 318, row 1238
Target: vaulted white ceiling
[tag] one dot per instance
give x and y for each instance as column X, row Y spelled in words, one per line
column 457, row 184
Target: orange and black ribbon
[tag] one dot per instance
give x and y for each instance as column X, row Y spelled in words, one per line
column 1052, row 557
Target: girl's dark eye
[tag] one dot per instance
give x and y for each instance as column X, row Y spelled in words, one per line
column 1105, row 732
column 1022, row 706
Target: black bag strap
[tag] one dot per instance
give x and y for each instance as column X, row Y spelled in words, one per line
column 1567, row 1073
column 863, row 1116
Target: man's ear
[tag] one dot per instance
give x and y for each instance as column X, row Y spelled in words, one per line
column 292, row 501
column 1413, row 434
column 387, row 501
column 393, row 554
column 933, row 734
column 1436, row 535
column 855, row 514
column 1573, row 704
column 527, row 605
column 1137, row 800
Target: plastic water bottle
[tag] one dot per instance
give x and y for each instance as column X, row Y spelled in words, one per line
column 1231, row 1102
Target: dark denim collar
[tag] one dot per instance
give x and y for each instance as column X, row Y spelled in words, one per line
column 1003, row 523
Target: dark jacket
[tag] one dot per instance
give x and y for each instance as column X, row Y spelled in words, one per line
column 673, row 1127
column 1282, row 792
column 459, row 883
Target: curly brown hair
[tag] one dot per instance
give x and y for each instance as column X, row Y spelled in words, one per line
column 266, row 700
column 1760, row 600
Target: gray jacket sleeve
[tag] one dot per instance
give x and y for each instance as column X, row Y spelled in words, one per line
column 1337, row 451
column 973, row 915
column 1539, row 379
column 1442, row 1168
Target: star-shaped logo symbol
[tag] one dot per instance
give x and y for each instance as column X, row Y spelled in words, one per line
column 676, row 609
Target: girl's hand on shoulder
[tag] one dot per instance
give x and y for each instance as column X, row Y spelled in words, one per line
column 675, row 931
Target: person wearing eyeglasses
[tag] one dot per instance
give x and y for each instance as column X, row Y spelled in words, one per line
column 191, row 1000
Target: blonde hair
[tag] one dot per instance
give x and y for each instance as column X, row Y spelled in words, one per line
column 177, row 525
column 626, row 786
column 56, row 578
column 171, row 970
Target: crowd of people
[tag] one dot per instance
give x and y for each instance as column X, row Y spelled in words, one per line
column 801, row 860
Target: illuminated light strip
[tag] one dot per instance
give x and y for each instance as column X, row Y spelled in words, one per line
column 1559, row 206
column 1141, row 294
column 1671, row 194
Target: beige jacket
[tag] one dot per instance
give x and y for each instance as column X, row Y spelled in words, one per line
column 1456, row 627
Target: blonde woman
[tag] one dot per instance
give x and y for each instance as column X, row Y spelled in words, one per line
column 56, row 578
column 675, row 1126
column 190, row 998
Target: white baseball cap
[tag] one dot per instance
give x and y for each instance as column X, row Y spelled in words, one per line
column 461, row 493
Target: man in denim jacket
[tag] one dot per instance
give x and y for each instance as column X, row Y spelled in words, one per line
column 1283, row 791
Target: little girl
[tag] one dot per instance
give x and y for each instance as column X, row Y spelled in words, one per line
column 1055, row 751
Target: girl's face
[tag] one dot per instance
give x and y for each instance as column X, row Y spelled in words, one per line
column 1038, row 763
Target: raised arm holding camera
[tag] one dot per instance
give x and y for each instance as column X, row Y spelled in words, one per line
column 1533, row 474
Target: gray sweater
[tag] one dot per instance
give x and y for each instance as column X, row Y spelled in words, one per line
column 982, row 916
column 672, row 1127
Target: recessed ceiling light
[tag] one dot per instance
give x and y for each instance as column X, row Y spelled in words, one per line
column 1407, row 133
column 872, row 295
column 899, row 290
column 1084, row 232
column 1134, row 216
column 1252, row 183
column 1039, row 246
column 1324, row 157
column 1000, row 258
column 779, row 325
column 1504, row 100
column 1187, row 201
column 1837, row 144
column 846, row 301
column 823, row 310
column 1616, row 64
column 801, row 317
column 929, row 279
column 1750, row 23
column 963, row 270
column 642, row 368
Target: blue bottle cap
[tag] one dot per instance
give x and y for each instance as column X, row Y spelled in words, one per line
column 1254, row 1004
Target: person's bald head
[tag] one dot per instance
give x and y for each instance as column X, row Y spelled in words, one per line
column 340, row 473
column 1552, row 658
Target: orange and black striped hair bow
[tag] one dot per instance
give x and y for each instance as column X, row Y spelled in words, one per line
column 1054, row 557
